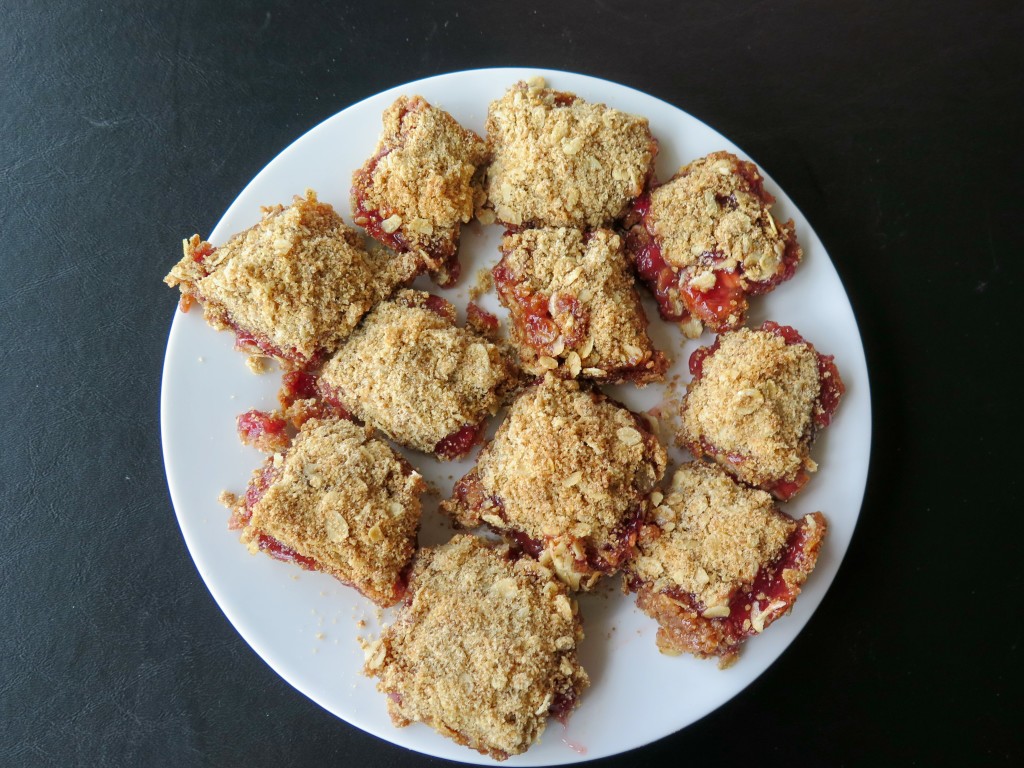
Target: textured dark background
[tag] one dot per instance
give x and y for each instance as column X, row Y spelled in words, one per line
column 895, row 127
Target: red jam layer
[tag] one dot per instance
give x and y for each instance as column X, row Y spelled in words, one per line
column 662, row 279
column 799, row 554
column 241, row 517
column 302, row 386
column 769, row 591
column 203, row 250
column 562, row 706
column 459, row 442
column 258, row 344
column 700, row 354
column 263, row 431
column 831, row 385
column 606, row 560
column 297, row 385
column 721, row 307
column 481, row 320
column 448, row 268
column 677, row 299
column 441, row 307
column 542, row 319
column 330, row 396
column 279, row 551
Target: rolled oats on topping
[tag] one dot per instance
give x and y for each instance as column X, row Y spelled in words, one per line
column 484, row 651
column 574, row 491
column 560, row 161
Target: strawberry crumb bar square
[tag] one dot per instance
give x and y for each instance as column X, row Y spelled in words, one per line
column 409, row 371
column 574, row 306
column 292, row 287
column 421, row 185
column 337, row 501
column 719, row 563
column 567, row 477
column 483, row 650
column 756, row 401
column 560, row 161
column 706, row 240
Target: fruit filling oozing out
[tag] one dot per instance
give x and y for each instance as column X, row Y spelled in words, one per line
column 756, row 401
column 706, row 240
column 292, row 287
column 567, row 478
column 336, row 500
column 419, row 187
column 574, row 307
column 718, row 563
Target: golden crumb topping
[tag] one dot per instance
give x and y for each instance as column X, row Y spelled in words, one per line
column 560, row 161
column 572, row 471
column 575, row 305
column 715, row 535
column 347, row 501
column 410, row 372
column 755, row 400
column 716, row 205
column 299, row 279
column 484, row 650
column 420, row 179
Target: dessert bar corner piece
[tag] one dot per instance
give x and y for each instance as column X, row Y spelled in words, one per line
column 706, row 240
column 291, row 287
column 421, row 185
column 756, row 401
column 409, row 371
column 574, row 306
column 337, row 501
column 719, row 563
column 483, row 650
column 560, row 161
column 567, row 478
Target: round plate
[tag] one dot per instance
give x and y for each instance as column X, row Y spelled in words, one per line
column 305, row 625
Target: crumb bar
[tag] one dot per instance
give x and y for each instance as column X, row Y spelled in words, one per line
column 719, row 563
column 755, row 403
column 421, row 185
column 567, row 477
column 337, row 501
column 412, row 373
column 706, row 240
column 574, row 307
column 292, row 287
column 484, row 649
column 560, row 161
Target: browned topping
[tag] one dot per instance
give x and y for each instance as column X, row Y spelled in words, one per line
column 410, row 372
column 755, row 402
column 559, row 161
column 717, row 207
column 572, row 298
column 714, row 536
column 686, row 623
column 346, row 501
column 419, row 183
column 484, row 649
column 570, row 470
column 299, row 279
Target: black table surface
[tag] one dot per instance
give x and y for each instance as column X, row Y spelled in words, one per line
column 895, row 127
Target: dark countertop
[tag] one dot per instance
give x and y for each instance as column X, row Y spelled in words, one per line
column 124, row 126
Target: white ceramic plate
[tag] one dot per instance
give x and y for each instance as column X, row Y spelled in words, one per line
column 305, row 625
